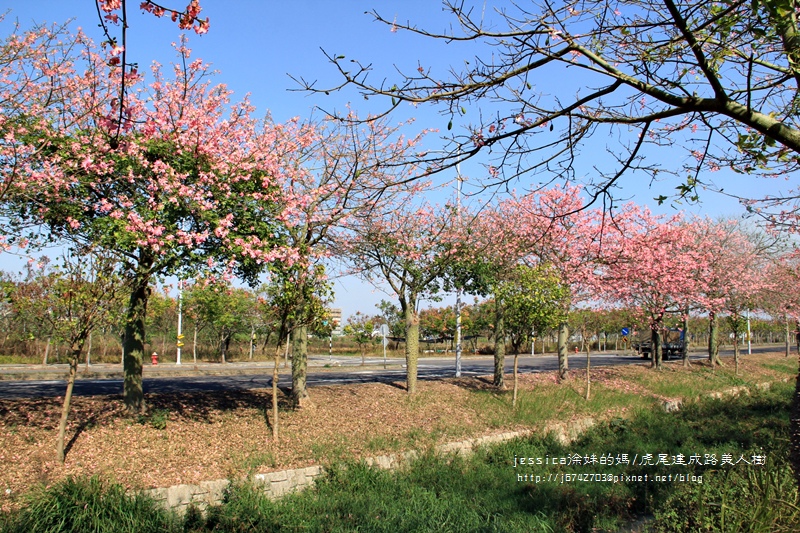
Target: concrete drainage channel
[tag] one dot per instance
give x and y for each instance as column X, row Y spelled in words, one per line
column 280, row 483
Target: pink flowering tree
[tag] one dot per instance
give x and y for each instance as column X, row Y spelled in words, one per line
column 731, row 277
column 653, row 269
column 114, row 23
column 550, row 229
column 554, row 227
column 408, row 249
column 193, row 182
column 37, row 79
column 781, row 294
column 352, row 169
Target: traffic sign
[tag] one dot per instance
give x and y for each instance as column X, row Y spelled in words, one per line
column 625, row 332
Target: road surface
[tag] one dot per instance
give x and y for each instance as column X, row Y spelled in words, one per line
column 259, row 375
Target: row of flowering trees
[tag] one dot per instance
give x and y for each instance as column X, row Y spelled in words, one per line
column 622, row 257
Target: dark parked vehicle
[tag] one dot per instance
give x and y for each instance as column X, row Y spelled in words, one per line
column 673, row 345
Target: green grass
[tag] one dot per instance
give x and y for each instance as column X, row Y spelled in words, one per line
column 483, row 493
column 250, row 461
column 19, row 360
column 89, row 505
column 552, row 402
column 788, row 366
column 699, row 381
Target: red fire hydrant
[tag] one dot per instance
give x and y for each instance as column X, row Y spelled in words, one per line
column 576, row 349
column 154, row 358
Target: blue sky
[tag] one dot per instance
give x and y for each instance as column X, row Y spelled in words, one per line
column 255, row 45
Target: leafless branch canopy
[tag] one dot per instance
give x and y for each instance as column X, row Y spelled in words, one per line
column 712, row 84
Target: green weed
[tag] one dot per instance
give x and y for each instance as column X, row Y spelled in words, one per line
column 88, row 505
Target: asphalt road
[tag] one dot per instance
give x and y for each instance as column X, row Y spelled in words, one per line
column 429, row 368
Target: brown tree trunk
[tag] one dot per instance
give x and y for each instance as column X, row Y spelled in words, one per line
column 47, row 350
column 133, row 347
column 252, row 341
column 62, row 425
column 588, row 373
column 275, row 378
column 788, row 343
column 412, row 344
column 563, row 361
column 516, row 378
column 686, row 338
column 300, row 397
column 713, row 341
column 223, row 348
column 499, row 346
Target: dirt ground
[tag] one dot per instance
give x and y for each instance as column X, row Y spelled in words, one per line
column 188, row 438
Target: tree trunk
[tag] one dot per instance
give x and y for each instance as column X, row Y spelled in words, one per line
column 499, row 346
column 300, row 397
column 797, row 335
column 62, row 425
column 713, row 341
column 686, row 338
column 655, row 345
column 516, row 378
column 194, row 346
column 89, row 353
column 252, row 341
column 133, row 346
column 412, row 345
column 223, row 347
column 47, row 350
column 788, row 343
column 736, row 352
column 275, row 377
column 588, row 373
column 563, row 361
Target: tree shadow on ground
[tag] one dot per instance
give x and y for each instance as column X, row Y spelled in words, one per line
column 477, row 383
column 44, row 413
